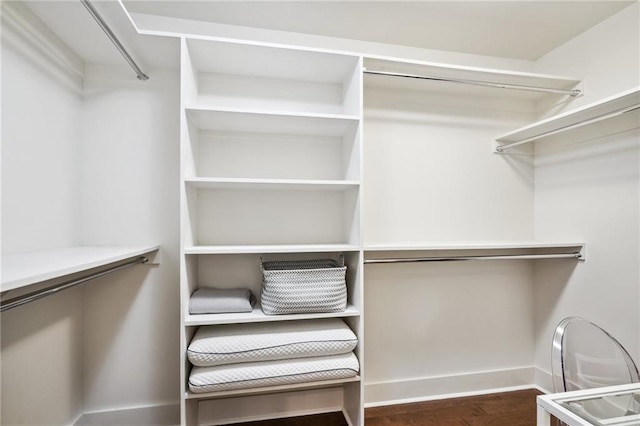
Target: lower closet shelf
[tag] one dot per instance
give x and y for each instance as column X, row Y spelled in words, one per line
column 273, row 389
column 258, row 316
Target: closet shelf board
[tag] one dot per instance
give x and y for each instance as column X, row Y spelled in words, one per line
column 22, row 269
column 235, row 119
column 274, row 248
column 272, row 389
column 258, row 316
column 272, row 184
column 626, row 99
column 489, row 75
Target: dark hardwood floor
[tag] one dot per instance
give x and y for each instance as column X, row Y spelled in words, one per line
column 516, row 408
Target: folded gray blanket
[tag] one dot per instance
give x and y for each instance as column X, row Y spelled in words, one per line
column 216, row 301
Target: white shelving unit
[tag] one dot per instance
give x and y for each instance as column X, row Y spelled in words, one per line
column 271, row 168
column 604, row 109
column 270, row 154
column 28, row 268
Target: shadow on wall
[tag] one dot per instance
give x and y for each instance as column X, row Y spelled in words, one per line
column 42, row 360
column 46, row 346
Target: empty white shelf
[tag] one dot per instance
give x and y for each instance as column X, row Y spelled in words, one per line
column 268, row 121
column 271, row 248
column 271, row 184
column 590, row 113
column 23, row 269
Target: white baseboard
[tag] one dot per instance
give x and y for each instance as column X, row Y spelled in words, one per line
column 452, row 386
column 376, row 394
column 543, row 381
column 155, row 415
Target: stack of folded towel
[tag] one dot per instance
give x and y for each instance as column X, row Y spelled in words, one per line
column 241, row 356
column 207, row 300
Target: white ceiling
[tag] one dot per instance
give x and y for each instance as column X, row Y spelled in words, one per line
column 513, row 28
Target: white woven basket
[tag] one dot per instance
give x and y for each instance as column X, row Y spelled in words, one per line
column 303, row 286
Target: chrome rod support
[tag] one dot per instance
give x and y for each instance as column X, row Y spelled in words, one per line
column 101, row 22
column 30, row 297
column 572, row 92
column 575, row 255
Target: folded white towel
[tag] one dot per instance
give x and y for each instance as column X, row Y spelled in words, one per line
column 216, row 301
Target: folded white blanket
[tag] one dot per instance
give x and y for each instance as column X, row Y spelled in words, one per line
column 272, row 373
column 233, row 343
column 216, row 301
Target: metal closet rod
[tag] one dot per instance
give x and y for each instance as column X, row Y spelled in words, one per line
column 30, row 297
column 574, row 255
column 101, row 22
column 501, row 148
column 572, row 92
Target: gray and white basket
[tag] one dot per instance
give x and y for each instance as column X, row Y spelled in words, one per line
column 303, row 286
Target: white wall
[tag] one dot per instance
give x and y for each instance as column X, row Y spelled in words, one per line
column 93, row 163
column 606, row 58
column 431, row 177
column 130, row 190
column 40, row 147
column 41, row 346
column 587, row 187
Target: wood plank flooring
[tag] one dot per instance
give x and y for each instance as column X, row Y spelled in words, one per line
column 516, row 408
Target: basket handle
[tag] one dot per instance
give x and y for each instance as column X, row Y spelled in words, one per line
column 341, row 260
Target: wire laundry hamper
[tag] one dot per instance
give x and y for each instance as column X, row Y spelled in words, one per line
column 303, row 286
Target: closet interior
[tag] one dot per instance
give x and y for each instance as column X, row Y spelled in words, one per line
column 474, row 204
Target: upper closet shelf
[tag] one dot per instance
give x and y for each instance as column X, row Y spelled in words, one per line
column 604, row 109
column 415, row 252
column 251, row 76
column 23, row 269
column 530, row 85
column 200, row 113
column 264, row 121
column 272, row 184
column 270, row 248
